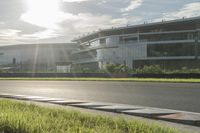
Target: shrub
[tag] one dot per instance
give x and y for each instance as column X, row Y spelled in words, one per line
column 3, row 71
column 116, row 68
column 80, row 69
column 153, row 69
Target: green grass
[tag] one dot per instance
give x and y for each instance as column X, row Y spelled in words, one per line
column 113, row 79
column 18, row 117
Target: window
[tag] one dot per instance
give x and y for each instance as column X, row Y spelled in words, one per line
column 158, row 50
column 130, row 40
column 102, row 41
column 167, row 37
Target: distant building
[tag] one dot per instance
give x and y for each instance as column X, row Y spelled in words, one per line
column 168, row 43
column 37, row 57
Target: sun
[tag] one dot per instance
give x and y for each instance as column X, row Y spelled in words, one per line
column 43, row 6
column 44, row 13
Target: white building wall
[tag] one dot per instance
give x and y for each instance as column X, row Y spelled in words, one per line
column 25, row 55
column 45, row 55
column 7, row 56
column 121, row 53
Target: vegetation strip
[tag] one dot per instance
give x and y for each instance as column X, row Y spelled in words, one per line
column 113, row 79
column 18, row 117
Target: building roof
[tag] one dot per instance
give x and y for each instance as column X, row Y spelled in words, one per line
column 177, row 21
column 38, row 44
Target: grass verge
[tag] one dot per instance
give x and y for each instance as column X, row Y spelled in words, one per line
column 18, row 117
column 113, row 79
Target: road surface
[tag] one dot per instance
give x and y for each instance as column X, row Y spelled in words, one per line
column 179, row 96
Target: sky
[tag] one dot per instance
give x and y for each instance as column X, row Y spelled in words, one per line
column 59, row 21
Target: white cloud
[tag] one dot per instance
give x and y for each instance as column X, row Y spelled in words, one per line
column 62, row 24
column 77, row 1
column 46, row 20
column 9, row 32
column 133, row 5
column 46, row 34
column 75, row 25
column 86, row 22
column 13, row 36
column 5, row 42
column 188, row 10
column 102, row 2
column 9, row 36
column 1, row 23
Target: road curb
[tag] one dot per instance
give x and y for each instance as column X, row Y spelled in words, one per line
column 176, row 116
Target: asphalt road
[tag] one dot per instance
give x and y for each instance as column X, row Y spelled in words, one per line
column 179, row 96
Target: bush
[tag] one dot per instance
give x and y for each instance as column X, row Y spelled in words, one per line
column 3, row 71
column 80, row 69
column 185, row 70
column 154, row 69
column 116, row 68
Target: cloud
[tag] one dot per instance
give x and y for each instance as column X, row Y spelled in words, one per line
column 12, row 36
column 47, row 18
column 9, row 32
column 133, row 5
column 46, row 34
column 77, row 1
column 2, row 23
column 5, row 42
column 9, row 36
column 72, row 24
column 188, row 10
column 87, row 22
column 102, row 2
column 63, row 24
column 49, row 21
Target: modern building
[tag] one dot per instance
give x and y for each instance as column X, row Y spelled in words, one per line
column 172, row 44
column 37, row 57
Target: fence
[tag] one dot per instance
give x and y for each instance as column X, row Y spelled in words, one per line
column 100, row 75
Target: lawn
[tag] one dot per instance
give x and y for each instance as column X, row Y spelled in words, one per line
column 114, row 79
column 18, row 117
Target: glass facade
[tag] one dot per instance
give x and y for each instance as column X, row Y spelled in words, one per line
column 167, row 37
column 166, row 50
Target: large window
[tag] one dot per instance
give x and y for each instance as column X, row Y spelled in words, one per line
column 162, row 50
column 167, row 37
column 128, row 40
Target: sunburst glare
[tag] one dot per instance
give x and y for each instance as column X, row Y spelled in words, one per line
column 44, row 13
